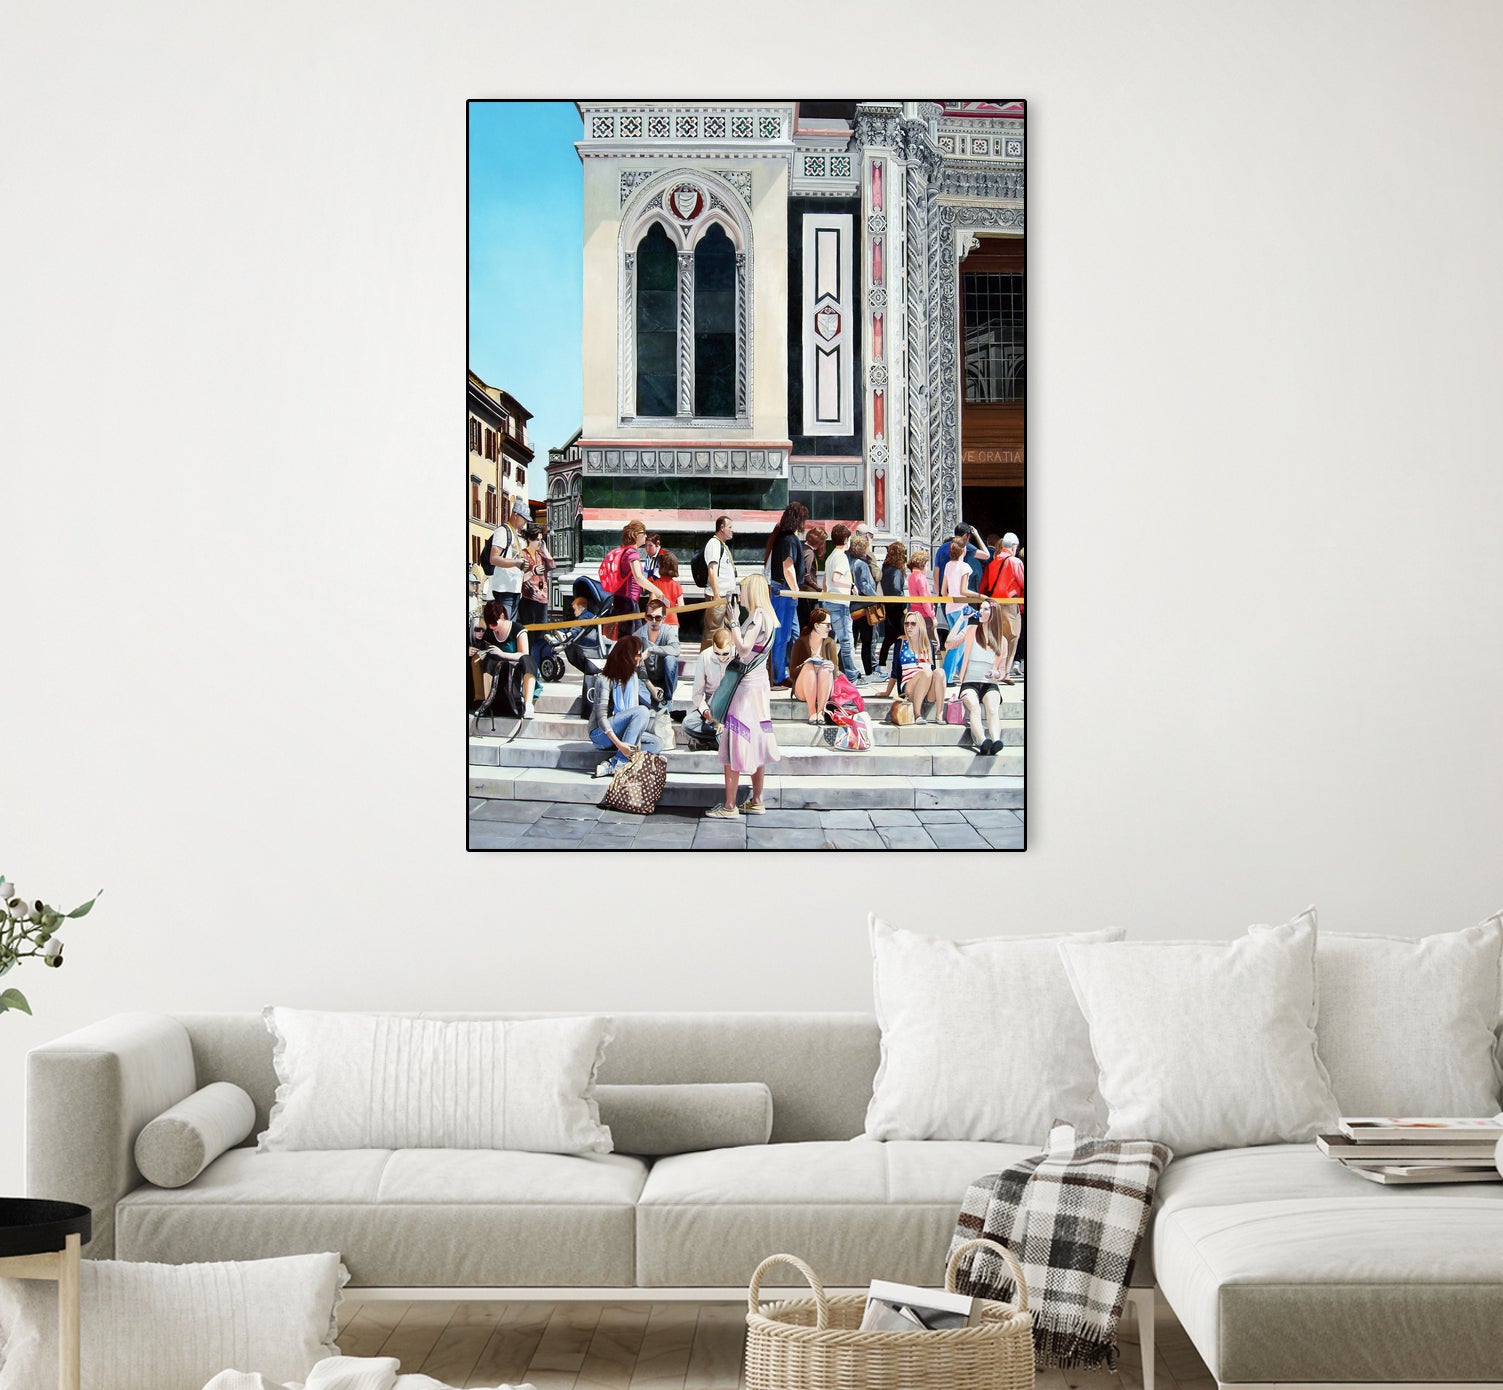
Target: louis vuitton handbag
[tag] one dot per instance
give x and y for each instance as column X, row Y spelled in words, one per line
column 637, row 786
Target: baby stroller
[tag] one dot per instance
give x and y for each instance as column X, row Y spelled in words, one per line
column 579, row 646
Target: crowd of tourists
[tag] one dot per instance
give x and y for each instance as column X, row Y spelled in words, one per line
column 760, row 635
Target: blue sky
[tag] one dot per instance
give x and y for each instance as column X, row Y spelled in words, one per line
column 526, row 253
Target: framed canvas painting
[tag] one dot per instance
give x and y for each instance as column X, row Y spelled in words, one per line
column 746, row 485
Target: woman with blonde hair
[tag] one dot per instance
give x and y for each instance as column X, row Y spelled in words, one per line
column 913, row 674
column 982, row 667
column 747, row 743
column 918, row 584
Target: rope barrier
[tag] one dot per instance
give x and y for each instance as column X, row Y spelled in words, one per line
column 855, row 600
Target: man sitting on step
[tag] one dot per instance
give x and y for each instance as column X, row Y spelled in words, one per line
column 661, row 643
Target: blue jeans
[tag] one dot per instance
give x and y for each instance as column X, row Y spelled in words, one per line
column 787, row 614
column 631, row 728
column 840, row 630
column 663, row 670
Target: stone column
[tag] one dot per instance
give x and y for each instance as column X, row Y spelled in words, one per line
column 685, row 334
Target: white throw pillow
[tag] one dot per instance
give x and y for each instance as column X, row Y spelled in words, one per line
column 174, row 1327
column 1206, row 1045
column 181, row 1142
column 980, row 1039
column 1410, row 1027
column 389, row 1081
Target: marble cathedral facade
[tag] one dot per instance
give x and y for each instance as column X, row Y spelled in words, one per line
column 772, row 311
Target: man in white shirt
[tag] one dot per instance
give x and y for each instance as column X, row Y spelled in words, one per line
column 838, row 580
column 721, row 571
column 505, row 582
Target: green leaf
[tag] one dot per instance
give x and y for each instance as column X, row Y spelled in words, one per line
column 14, row 999
column 82, row 910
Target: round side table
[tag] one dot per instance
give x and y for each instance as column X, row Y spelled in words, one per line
column 43, row 1240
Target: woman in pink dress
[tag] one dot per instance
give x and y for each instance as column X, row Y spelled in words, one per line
column 747, row 743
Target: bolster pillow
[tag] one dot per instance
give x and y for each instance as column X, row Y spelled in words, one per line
column 658, row 1120
column 180, row 1143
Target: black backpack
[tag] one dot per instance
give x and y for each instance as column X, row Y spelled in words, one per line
column 699, row 567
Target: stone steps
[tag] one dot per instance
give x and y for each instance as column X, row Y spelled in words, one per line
column 700, row 789
column 796, row 762
column 916, row 767
column 790, row 733
column 560, row 699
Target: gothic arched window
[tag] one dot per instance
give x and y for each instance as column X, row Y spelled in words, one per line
column 685, row 307
column 657, row 324
column 715, row 325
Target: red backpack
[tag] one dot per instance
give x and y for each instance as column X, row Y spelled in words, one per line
column 613, row 573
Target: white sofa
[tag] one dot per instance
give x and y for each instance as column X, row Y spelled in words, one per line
column 1283, row 1268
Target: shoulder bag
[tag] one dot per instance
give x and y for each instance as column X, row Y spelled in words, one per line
column 736, row 671
column 637, row 786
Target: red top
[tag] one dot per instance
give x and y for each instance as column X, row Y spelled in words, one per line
column 673, row 595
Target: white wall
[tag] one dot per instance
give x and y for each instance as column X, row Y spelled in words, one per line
column 1266, row 498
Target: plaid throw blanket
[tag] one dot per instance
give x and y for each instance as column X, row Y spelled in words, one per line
column 1074, row 1217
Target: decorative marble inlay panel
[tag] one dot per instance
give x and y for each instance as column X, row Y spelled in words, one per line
column 631, row 127
column 686, row 127
column 714, row 127
column 814, row 166
column 741, row 127
column 657, row 128
column 613, row 460
column 603, row 127
column 826, row 477
column 769, row 128
column 840, row 166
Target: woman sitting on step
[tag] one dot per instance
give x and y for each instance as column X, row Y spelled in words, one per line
column 620, row 709
column 913, row 674
column 812, row 663
column 984, row 644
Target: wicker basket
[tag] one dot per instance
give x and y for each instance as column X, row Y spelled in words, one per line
column 814, row 1344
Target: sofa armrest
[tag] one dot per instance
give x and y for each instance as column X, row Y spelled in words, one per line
column 88, row 1095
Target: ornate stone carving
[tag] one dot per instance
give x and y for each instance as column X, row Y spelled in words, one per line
column 628, row 334
column 982, row 181
column 965, row 243
column 618, row 461
column 739, row 179
column 876, row 224
column 743, row 315
column 918, row 200
column 876, row 299
column 686, row 333
column 877, row 374
column 632, row 179
column 878, row 125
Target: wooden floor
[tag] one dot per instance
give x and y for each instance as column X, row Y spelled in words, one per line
column 642, row 1346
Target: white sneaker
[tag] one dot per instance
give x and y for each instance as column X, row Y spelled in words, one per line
column 604, row 770
column 528, row 712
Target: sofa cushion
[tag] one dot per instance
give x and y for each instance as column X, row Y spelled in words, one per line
column 1410, row 1027
column 370, row 1081
column 403, row 1218
column 853, row 1211
column 1206, row 1044
column 1315, row 1289
column 981, row 1039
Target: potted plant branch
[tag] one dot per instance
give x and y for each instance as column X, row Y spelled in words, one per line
column 29, row 929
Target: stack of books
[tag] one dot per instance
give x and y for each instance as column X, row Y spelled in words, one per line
column 1393, row 1150
column 904, row 1308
